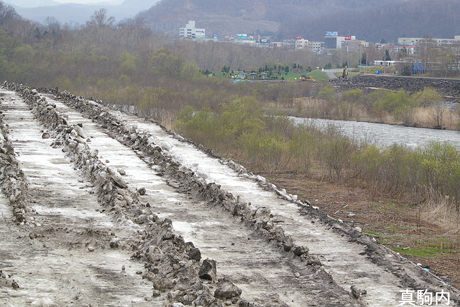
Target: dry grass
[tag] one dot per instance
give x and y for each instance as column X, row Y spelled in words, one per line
column 424, row 117
column 427, row 233
column 442, row 212
column 311, row 103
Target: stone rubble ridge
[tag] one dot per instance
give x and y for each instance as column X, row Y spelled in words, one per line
column 175, row 266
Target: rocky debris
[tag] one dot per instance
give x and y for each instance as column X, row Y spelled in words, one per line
column 6, row 280
column 356, row 292
column 186, row 179
column 12, row 180
column 226, row 289
column 121, row 172
column 171, row 266
column 449, row 88
column 194, row 254
column 409, row 275
column 15, row 285
column 114, row 243
column 208, row 270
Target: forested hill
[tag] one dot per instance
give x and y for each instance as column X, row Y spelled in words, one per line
column 243, row 16
column 372, row 20
column 411, row 18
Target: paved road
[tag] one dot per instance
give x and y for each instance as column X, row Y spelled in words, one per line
column 331, row 73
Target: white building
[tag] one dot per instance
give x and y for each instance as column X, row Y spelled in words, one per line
column 301, row 44
column 305, row 44
column 411, row 41
column 191, row 32
column 315, row 46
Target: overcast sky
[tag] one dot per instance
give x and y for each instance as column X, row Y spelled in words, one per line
column 34, row 3
column 88, row 1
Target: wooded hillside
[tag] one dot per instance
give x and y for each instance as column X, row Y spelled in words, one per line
column 369, row 20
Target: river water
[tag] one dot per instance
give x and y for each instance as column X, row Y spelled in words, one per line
column 384, row 135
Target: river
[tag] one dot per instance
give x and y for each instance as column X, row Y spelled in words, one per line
column 384, row 135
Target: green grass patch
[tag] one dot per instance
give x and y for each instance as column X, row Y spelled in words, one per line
column 392, row 227
column 423, row 252
column 318, row 75
column 444, row 240
column 373, row 233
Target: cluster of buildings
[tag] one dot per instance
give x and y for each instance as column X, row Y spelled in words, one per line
column 332, row 41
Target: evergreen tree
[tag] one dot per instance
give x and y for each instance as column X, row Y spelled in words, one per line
column 387, row 55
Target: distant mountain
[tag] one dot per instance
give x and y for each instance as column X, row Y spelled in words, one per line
column 80, row 13
column 245, row 16
column 371, row 20
column 411, row 18
column 31, row 3
column 64, row 13
column 130, row 8
column 38, row 3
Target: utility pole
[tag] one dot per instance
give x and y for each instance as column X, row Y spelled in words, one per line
column 384, row 63
column 348, row 55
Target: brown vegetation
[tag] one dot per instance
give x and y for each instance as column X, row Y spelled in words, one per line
column 420, row 233
column 420, row 116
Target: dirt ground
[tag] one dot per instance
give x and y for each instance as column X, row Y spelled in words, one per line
column 393, row 222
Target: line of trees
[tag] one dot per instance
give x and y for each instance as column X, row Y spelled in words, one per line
column 126, row 64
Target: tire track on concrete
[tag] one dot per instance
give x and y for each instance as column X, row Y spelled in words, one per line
column 266, row 275
column 346, row 258
column 326, row 224
column 60, row 257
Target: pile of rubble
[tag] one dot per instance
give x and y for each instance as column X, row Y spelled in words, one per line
column 171, row 264
column 174, row 266
column 448, row 88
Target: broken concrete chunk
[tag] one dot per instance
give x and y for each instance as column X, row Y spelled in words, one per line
column 226, row 289
column 118, row 181
column 141, row 191
column 194, row 254
column 355, row 291
column 15, row 285
column 121, row 172
column 300, row 250
column 114, row 242
column 208, row 270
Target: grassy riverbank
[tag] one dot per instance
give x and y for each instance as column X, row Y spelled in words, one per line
column 426, row 108
column 407, row 198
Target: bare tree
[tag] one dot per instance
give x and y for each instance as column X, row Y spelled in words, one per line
column 7, row 13
column 100, row 19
